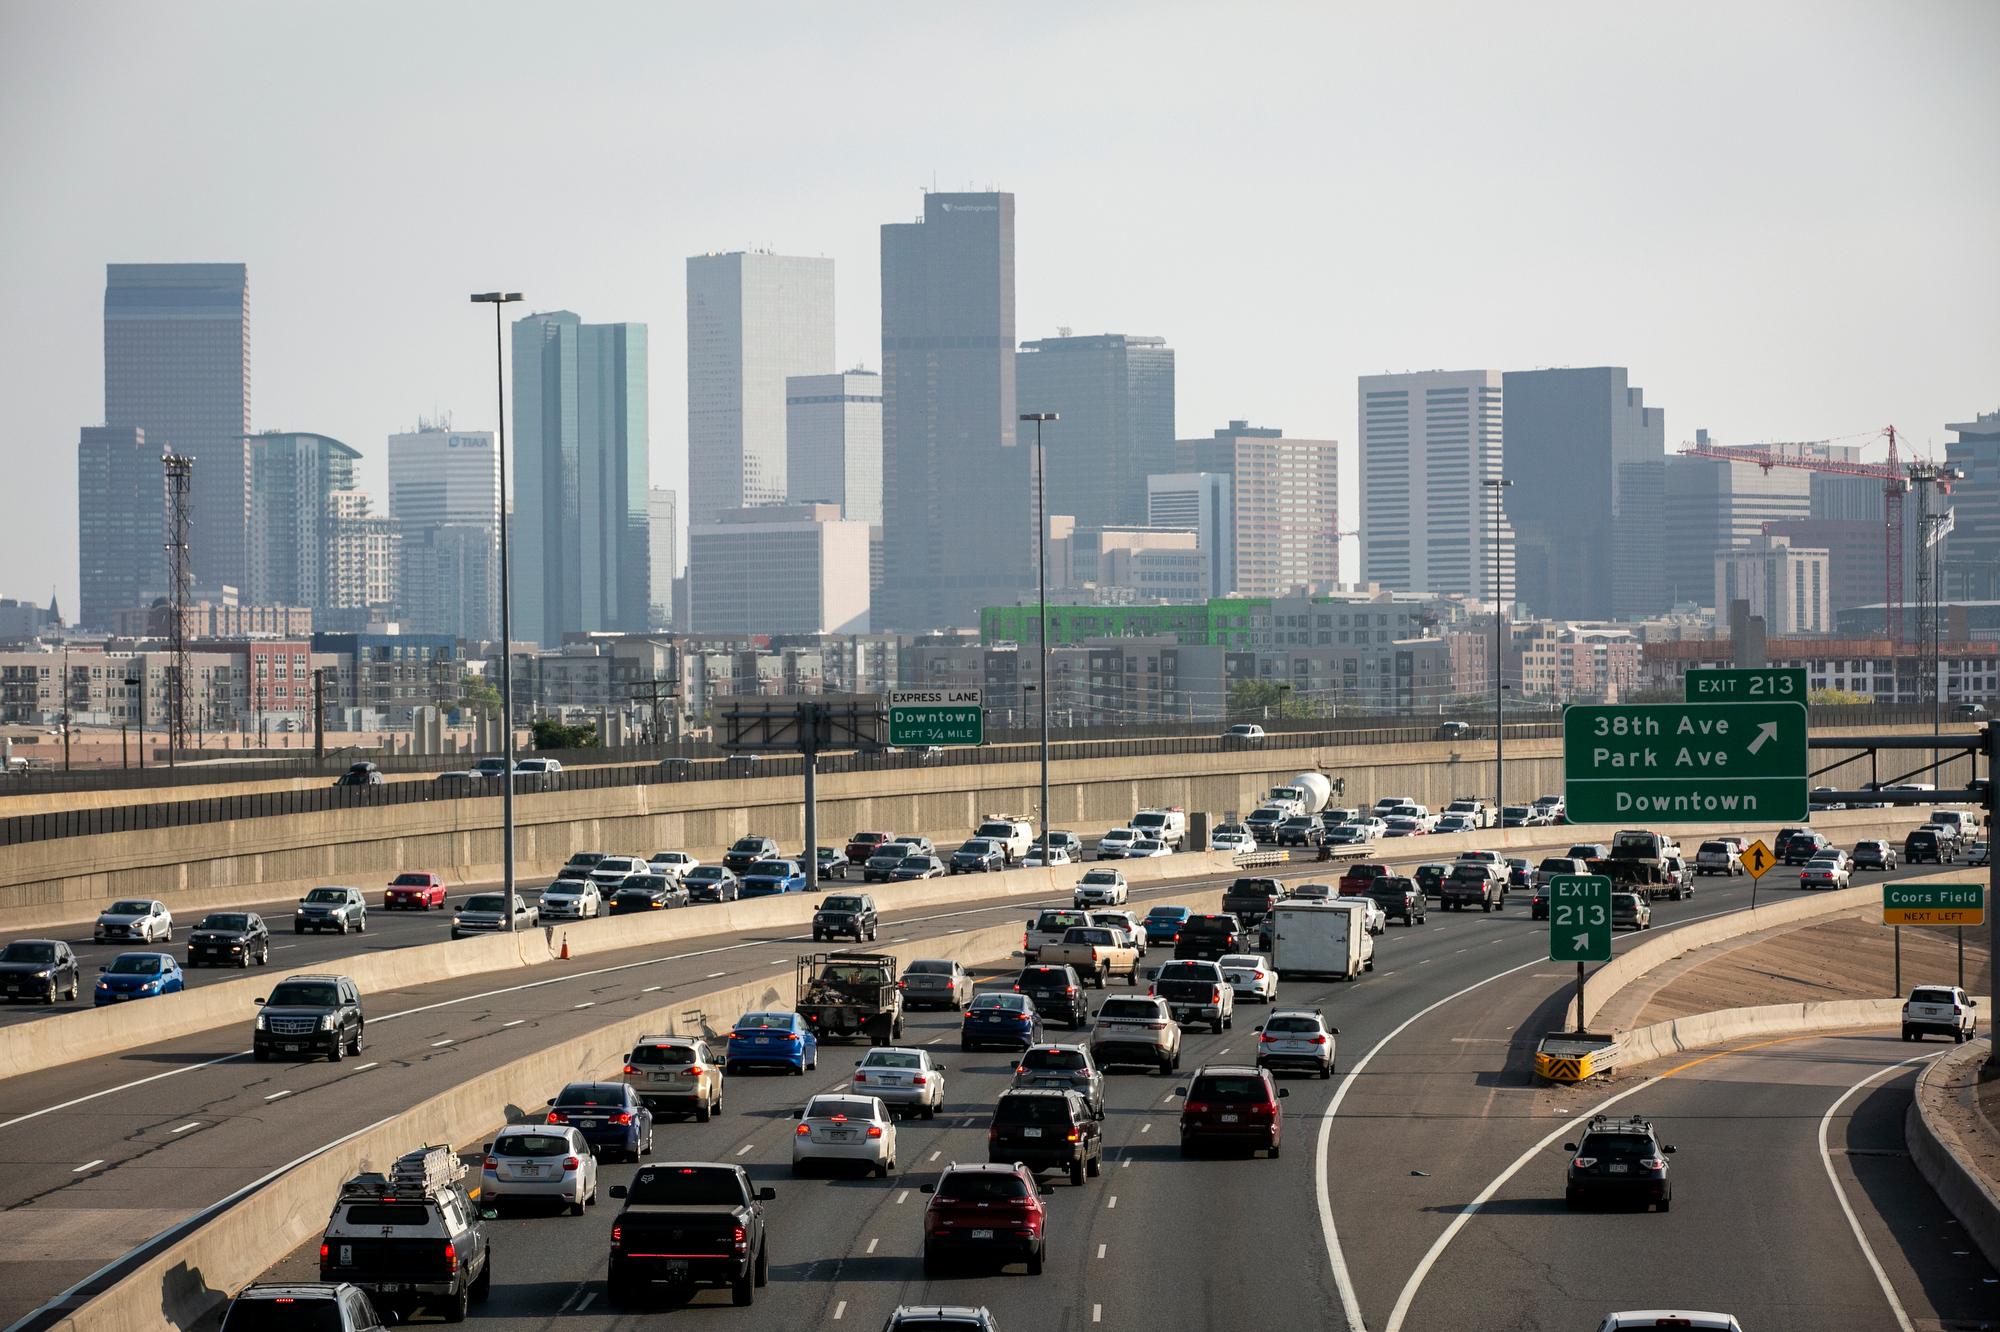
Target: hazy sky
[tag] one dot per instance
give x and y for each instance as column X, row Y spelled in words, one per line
column 1785, row 218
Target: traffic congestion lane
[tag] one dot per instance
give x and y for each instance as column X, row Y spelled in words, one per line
column 1757, row 1227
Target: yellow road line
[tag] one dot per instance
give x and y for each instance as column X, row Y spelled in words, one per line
column 1721, row 1054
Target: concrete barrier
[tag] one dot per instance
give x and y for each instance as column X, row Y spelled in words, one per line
column 1699, row 1031
column 29, row 1047
column 1943, row 1155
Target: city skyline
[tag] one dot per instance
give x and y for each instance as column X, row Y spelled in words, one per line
column 1639, row 287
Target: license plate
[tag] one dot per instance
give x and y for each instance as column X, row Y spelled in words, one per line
column 763, row 1040
column 843, row 1135
column 982, row 1234
column 392, row 1287
column 675, row 1270
column 588, row 1123
column 1619, row 1169
column 1031, row 1133
column 1228, row 1119
column 290, row 1046
column 530, row 1171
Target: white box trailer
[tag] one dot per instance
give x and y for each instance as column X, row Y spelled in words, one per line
column 1322, row 938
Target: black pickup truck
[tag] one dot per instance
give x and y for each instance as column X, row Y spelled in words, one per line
column 689, row 1224
column 1249, row 900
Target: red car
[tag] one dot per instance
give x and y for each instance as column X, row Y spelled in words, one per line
column 418, row 890
column 864, row 844
column 992, row 1213
column 1355, row 882
column 1234, row 1105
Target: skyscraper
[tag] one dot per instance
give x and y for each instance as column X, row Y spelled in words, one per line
column 662, row 555
column 1713, row 506
column 963, row 532
column 121, row 523
column 1588, row 461
column 1429, row 443
column 1115, row 393
column 1972, row 551
column 444, row 495
column 753, row 319
column 778, row 569
column 1199, row 502
column 1285, row 495
column 833, row 439
column 580, row 516
column 294, row 477
column 177, row 365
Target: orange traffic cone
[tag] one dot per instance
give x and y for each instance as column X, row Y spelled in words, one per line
column 564, row 955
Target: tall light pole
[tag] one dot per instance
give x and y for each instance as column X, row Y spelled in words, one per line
column 496, row 299
column 1042, row 606
column 1497, row 485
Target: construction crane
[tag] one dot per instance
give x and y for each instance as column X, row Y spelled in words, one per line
column 1896, row 483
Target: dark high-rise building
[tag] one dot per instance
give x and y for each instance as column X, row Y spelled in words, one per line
column 293, row 479
column 121, row 523
column 177, row 365
column 1972, row 551
column 958, row 522
column 1116, row 396
column 1588, row 461
column 580, row 503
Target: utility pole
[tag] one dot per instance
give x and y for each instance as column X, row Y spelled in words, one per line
column 180, row 576
column 319, row 712
column 651, row 692
column 498, row 300
column 1042, row 607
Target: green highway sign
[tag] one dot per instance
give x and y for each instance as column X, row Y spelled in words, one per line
column 936, row 717
column 1579, row 918
column 1706, row 684
column 1685, row 762
column 1933, row 904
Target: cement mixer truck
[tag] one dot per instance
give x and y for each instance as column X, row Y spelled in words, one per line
column 1306, row 793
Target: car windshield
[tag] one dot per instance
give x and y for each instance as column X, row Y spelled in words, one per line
column 842, row 904
column 926, row 967
column 651, row 883
column 826, row 1107
column 1148, row 844
column 1031, row 1110
column 1617, row 1146
column 978, row 846
column 28, row 951
column 1167, row 913
column 751, row 844
column 305, row 994
column 327, row 895
column 1128, row 1008
column 778, row 868
column 1312, row 892
column 693, row 1186
column 1186, row 971
column 1054, row 1059
column 893, row 1059
column 1233, row 1088
column 225, row 920
column 531, row 1144
column 765, row 1022
column 308, row 1313
column 592, row 1093
column 1514, row 811
column 409, row 881
column 1013, row 1003
column 914, row 862
column 1000, row 830
column 982, row 1185
column 129, row 909
column 1309, row 1026
column 483, row 902
column 662, row 1056
column 707, row 874
column 1107, row 878
column 1823, row 862
column 1248, row 960
column 586, row 858
column 137, row 964
column 1555, row 865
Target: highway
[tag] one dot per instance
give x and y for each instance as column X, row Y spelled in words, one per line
column 136, row 1154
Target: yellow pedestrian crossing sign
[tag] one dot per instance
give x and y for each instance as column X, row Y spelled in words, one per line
column 1757, row 858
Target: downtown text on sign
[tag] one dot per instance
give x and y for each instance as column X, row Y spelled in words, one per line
column 1684, row 762
column 1933, row 904
column 936, row 717
column 1718, row 684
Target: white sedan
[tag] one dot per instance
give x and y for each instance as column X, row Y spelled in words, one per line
column 539, row 1161
column 902, row 1078
column 1250, row 975
column 844, row 1129
column 1232, row 842
column 673, row 864
column 1146, row 848
column 571, row 899
column 1378, row 919
column 1058, row 855
column 1113, row 845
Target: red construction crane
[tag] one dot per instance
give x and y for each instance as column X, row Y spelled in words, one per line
column 1895, row 485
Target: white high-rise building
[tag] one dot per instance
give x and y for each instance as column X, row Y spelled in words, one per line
column 778, row 569
column 1198, row 502
column 438, row 475
column 1785, row 584
column 754, row 319
column 833, row 435
column 1429, row 442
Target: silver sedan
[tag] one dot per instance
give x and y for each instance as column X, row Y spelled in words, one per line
column 845, row 1128
column 906, row 1079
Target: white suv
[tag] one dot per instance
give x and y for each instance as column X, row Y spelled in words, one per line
column 1943, row 1009
column 1102, row 887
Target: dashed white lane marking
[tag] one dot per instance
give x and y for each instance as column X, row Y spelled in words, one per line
column 872, row 1243
column 1223, row 1051
column 744, row 1150
column 277, row 1094
column 88, row 1165
column 584, row 1303
column 1111, row 1202
column 363, row 1068
column 782, row 962
column 1125, row 1164
column 1145, row 1128
column 936, row 1155
column 515, row 1023
column 649, row 989
column 588, row 1003
column 1168, row 1097
column 1096, row 1313
column 438, row 1045
column 933, row 1040
column 193, row 1123
column 902, row 1197
column 840, row 1311
column 713, row 974
column 1424, row 962
column 1100, row 1251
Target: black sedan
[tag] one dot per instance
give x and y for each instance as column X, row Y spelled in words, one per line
column 647, row 892
column 43, row 969
column 229, row 939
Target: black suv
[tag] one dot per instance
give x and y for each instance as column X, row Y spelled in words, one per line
column 748, row 851
column 309, row 1015
column 1803, row 845
column 230, row 939
column 1925, row 844
column 1205, row 938
column 1045, row 1128
column 331, row 1306
column 1399, row 898
column 1057, row 993
column 42, row 969
column 1620, row 1159
column 845, row 915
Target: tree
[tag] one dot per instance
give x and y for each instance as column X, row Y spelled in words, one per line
column 477, row 694
column 552, row 734
column 1838, row 698
column 1268, row 698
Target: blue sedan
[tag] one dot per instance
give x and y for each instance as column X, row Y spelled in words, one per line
column 1163, row 924
column 1000, row 1018
column 610, row 1116
column 138, row 976
column 774, row 1040
column 768, row 878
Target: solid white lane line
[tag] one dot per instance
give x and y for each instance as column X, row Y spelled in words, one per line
column 872, row 1243
column 840, row 1311
column 744, row 1150
column 1471, row 1209
column 1854, row 1222
column 438, row 1045
column 192, row 1123
column 363, row 1068
column 277, row 1094
column 88, row 1165
column 902, row 1197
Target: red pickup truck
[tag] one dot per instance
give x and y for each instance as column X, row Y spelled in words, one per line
column 1359, row 877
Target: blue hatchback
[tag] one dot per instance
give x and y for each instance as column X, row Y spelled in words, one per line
column 773, row 1040
column 1000, row 1018
column 610, row 1116
column 1163, row 924
column 138, row 976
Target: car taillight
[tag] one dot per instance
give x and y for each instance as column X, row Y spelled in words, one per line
column 630, row 1070
column 1584, row 1162
column 918, row 1081
column 859, row 1076
column 1654, row 1163
column 794, row 1038
column 571, row 1163
column 1075, row 1135
column 874, row 1130
column 1215, row 994
column 1017, row 989
column 558, row 1117
column 1319, row 1040
column 624, row 1117
column 450, row 1256
column 489, row 1163
column 1069, row 989
column 993, row 1135
column 738, row 1236
column 804, row 1131
column 324, row 1253
column 1266, row 1039
column 1196, row 1107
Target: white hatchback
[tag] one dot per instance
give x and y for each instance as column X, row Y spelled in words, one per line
column 845, row 1129
column 539, row 1161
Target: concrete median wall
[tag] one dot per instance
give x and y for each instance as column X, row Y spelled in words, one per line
column 62, row 1038
column 1945, row 1156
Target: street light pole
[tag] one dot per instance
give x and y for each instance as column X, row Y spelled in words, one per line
column 1042, row 605
column 1497, row 485
column 496, row 299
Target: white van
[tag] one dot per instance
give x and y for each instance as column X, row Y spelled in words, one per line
column 1322, row 938
column 1167, row 825
column 1966, row 825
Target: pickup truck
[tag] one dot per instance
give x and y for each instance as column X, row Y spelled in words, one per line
column 1096, row 952
column 1355, row 879
column 1477, row 812
column 1197, row 991
column 1472, row 884
column 689, row 1224
column 1048, row 928
column 1250, row 900
column 844, row 995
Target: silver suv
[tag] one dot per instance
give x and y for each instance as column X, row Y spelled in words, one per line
column 1136, row 1030
column 334, row 1306
column 1065, row 1068
column 331, row 909
column 1942, row 1009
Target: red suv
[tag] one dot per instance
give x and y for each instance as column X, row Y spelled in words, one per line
column 865, row 844
column 1234, row 1105
column 419, row 890
column 989, row 1212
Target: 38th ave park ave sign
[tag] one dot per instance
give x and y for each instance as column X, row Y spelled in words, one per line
column 1685, row 762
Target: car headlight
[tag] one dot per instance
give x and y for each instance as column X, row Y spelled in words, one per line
column 263, row 1023
column 326, row 1022
column 458, row 920
column 104, row 985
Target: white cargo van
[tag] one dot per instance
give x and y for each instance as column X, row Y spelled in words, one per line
column 1959, row 821
column 1166, row 825
column 1322, row 938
